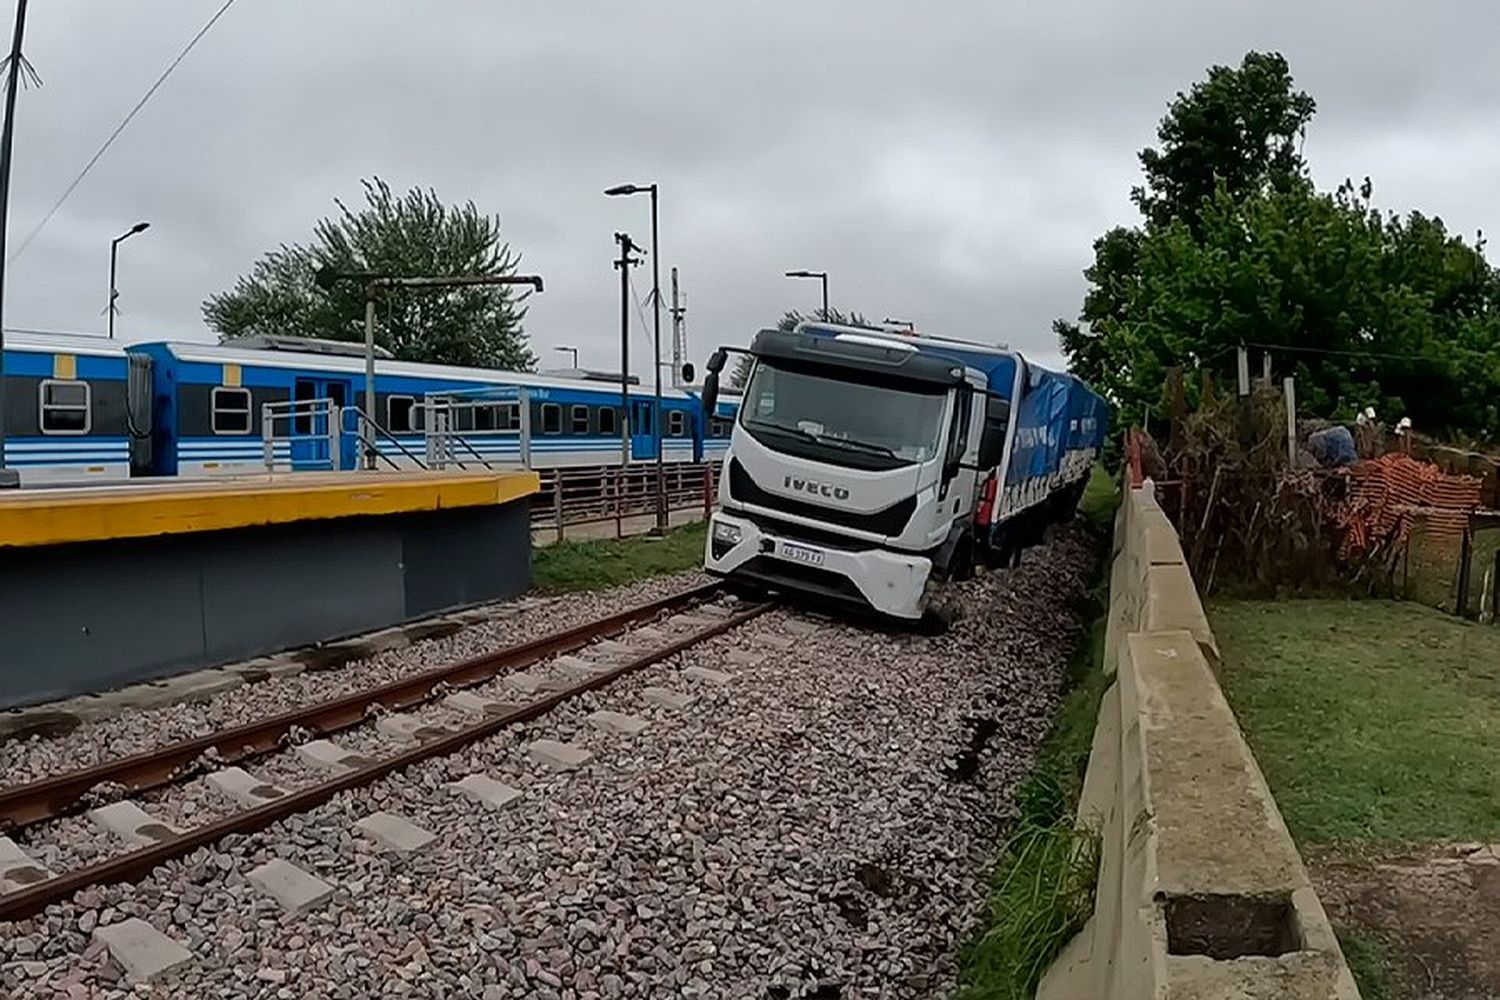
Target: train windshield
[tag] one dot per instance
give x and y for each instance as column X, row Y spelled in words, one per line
column 822, row 413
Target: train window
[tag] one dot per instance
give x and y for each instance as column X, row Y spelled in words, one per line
column 676, row 424
column 231, row 410
column 65, row 407
column 609, row 420
column 551, row 418
column 580, row 416
column 400, row 414
column 509, row 417
column 718, row 427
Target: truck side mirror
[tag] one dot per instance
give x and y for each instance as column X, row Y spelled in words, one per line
column 710, row 390
column 717, row 360
column 687, row 373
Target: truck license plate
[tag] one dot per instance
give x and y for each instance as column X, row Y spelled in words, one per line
column 801, row 554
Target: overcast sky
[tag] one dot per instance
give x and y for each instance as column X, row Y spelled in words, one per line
column 948, row 162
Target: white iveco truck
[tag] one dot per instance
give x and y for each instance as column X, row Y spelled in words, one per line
column 865, row 465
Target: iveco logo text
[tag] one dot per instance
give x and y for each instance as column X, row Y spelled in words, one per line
column 816, row 489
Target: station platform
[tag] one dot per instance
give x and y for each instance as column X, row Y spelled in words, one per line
column 108, row 585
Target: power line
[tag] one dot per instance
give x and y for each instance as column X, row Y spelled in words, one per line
column 1291, row 349
column 640, row 312
column 120, row 128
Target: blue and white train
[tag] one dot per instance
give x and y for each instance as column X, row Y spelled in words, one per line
column 66, row 409
column 81, row 410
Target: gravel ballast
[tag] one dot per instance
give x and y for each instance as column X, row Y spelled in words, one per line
column 819, row 824
column 37, row 757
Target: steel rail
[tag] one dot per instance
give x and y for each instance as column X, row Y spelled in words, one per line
column 25, row 805
column 139, row 863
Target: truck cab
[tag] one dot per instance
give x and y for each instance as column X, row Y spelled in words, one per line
column 856, row 463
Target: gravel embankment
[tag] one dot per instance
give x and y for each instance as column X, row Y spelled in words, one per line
column 92, row 743
column 819, row 826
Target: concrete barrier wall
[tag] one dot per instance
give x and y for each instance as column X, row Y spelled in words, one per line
column 1202, row 894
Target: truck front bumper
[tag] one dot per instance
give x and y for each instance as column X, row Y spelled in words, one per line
column 891, row 583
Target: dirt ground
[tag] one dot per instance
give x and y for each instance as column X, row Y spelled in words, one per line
column 1436, row 911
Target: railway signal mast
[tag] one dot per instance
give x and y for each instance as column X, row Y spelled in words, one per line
column 679, row 333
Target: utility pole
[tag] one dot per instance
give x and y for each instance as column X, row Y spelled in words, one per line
column 12, row 83
column 679, row 345
column 623, row 265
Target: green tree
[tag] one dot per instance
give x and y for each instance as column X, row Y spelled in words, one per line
column 789, row 321
column 1238, row 129
column 1373, row 309
column 411, row 235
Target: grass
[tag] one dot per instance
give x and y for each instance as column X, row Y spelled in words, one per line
column 603, row 563
column 1101, row 495
column 1375, row 722
column 1042, row 889
column 1367, row 961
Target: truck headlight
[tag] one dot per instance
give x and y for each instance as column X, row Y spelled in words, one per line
column 727, row 534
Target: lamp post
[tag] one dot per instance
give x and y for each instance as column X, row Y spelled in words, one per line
column 629, row 189
column 8, row 477
column 570, row 350
column 114, row 253
column 327, row 277
column 623, row 265
column 821, row 276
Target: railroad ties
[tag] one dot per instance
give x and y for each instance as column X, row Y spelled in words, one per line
column 467, row 704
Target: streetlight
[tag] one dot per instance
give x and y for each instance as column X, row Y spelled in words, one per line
column 114, row 252
column 821, row 276
column 629, row 189
column 570, row 350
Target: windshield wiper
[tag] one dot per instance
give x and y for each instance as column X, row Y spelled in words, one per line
column 849, row 443
column 782, row 428
column 878, row 449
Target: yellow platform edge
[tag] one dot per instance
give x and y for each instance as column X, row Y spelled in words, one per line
column 60, row 517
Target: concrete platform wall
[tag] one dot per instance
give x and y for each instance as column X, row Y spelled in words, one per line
column 94, row 615
column 1202, row 894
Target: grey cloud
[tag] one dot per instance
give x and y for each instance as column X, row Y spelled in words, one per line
column 947, row 163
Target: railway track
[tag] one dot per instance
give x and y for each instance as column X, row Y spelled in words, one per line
column 26, row 807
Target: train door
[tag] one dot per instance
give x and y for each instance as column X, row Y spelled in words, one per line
column 643, row 430
column 310, row 431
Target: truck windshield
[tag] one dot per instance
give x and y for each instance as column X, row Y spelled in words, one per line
column 821, row 415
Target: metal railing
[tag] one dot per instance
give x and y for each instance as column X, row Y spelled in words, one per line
column 571, row 497
column 369, row 434
column 482, row 426
column 318, row 445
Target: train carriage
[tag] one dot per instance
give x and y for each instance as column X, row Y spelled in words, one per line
column 67, row 416
column 210, row 402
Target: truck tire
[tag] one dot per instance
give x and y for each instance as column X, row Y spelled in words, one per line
column 961, row 567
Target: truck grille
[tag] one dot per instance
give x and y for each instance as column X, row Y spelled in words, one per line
column 888, row 522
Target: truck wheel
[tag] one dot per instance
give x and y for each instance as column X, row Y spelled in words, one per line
column 962, row 567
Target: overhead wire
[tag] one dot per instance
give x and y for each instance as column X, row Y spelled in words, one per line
column 1336, row 352
column 640, row 313
column 73, row 186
